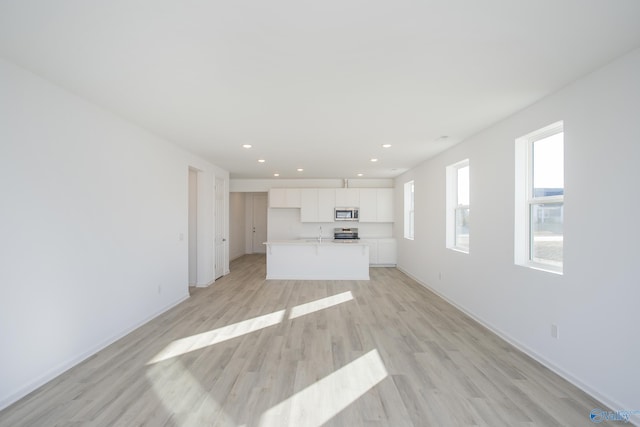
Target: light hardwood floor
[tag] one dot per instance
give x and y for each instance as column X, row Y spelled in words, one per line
column 250, row 352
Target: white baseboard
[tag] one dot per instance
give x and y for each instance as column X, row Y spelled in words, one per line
column 205, row 285
column 605, row 400
column 63, row 367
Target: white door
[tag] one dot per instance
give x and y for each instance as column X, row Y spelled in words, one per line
column 220, row 240
column 259, row 229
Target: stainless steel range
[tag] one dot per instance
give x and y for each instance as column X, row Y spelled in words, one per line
column 345, row 235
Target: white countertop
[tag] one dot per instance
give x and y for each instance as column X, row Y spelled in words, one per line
column 313, row 242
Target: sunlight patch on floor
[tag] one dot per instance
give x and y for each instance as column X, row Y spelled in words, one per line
column 205, row 339
column 320, row 304
column 324, row 399
column 209, row 338
column 193, row 407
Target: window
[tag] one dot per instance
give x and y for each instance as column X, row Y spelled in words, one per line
column 409, row 216
column 458, row 206
column 540, row 199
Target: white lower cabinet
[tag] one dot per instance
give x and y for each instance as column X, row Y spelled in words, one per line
column 387, row 252
column 382, row 252
column 373, row 250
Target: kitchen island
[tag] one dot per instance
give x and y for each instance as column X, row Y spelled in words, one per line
column 311, row 259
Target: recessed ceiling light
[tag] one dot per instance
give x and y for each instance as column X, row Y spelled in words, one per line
column 360, row 174
column 261, row 160
column 386, row 145
column 247, row 146
column 374, row 160
column 299, row 169
column 276, row 174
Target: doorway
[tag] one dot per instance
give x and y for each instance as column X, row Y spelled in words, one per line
column 259, row 223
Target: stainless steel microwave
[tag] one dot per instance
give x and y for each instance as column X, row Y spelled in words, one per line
column 346, row 214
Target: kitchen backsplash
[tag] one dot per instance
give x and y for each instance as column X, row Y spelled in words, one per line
column 284, row 224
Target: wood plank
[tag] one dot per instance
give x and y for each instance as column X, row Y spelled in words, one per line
column 440, row 367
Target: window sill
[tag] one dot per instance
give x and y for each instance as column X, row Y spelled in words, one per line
column 463, row 251
column 543, row 267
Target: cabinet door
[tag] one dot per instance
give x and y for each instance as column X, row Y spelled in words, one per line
column 278, row 198
column 293, row 197
column 384, row 204
column 368, row 205
column 326, row 204
column 373, row 250
column 284, row 198
column 347, row 197
column 387, row 252
column 308, row 205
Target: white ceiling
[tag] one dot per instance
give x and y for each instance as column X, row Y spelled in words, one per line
column 318, row 85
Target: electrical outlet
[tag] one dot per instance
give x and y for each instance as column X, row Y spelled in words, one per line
column 159, row 289
column 555, row 331
column 439, row 276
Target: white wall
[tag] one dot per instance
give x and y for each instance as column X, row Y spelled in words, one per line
column 595, row 302
column 93, row 219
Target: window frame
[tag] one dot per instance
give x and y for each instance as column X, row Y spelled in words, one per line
column 453, row 207
column 409, row 210
column 525, row 200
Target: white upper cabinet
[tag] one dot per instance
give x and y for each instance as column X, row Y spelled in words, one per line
column 293, row 197
column 384, row 204
column 277, row 198
column 317, row 205
column 368, row 205
column 309, row 205
column 284, row 198
column 376, row 205
column 347, row 197
column 326, row 204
